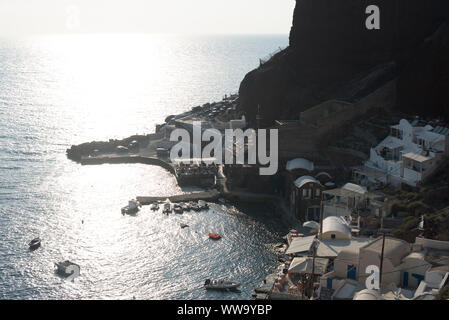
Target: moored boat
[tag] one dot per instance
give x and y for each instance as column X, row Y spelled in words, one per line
column 203, row 205
column 221, row 284
column 214, row 236
column 35, row 243
column 185, row 206
column 132, row 207
column 154, row 206
column 177, row 209
column 167, row 207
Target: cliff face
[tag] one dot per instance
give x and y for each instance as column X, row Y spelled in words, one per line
column 330, row 46
column 424, row 81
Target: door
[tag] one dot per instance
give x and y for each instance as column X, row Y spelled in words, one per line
column 352, row 272
column 405, row 280
column 418, row 277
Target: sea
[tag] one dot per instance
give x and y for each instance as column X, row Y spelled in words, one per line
column 61, row 90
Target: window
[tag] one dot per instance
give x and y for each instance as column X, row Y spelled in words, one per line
column 317, row 193
column 306, row 193
column 333, row 236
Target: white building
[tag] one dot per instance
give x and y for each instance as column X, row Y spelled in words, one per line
column 408, row 155
column 342, row 202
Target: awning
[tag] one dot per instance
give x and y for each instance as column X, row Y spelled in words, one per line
column 305, row 265
column 416, row 157
column 300, row 245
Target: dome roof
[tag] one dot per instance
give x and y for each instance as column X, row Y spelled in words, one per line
column 367, row 294
column 336, row 225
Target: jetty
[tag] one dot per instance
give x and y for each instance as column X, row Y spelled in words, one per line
column 209, row 195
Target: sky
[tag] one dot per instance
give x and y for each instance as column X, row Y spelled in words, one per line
column 23, row 17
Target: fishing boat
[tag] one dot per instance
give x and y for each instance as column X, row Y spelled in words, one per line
column 183, row 225
column 202, row 205
column 132, row 207
column 154, row 206
column 221, row 284
column 195, row 207
column 167, row 207
column 185, row 206
column 177, row 209
column 35, row 243
column 214, row 236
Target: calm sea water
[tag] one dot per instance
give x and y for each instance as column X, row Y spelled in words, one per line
column 57, row 91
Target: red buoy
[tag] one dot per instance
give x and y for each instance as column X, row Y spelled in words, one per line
column 214, row 236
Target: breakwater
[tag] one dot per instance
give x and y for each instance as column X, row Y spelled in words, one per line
column 127, row 160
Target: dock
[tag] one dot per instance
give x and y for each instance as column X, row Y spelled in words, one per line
column 210, row 196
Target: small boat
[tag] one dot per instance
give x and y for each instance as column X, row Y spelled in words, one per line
column 132, row 207
column 167, row 207
column 67, row 268
column 203, row 205
column 195, row 207
column 185, row 206
column 154, row 206
column 177, row 209
column 183, row 225
column 221, row 284
column 214, row 236
column 35, row 243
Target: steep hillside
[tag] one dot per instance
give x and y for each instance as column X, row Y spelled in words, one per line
column 330, row 47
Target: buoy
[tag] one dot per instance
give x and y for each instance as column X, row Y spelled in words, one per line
column 214, row 236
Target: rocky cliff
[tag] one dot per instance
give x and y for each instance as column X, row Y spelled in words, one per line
column 330, row 48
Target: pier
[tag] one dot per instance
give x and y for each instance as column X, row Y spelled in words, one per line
column 210, row 196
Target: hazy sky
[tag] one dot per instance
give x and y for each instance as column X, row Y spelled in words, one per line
column 153, row 16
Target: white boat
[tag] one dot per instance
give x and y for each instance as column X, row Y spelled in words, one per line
column 177, row 208
column 154, row 206
column 185, row 206
column 195, row 207
column 202, row 205
column 132, row 207
column 167, row 207
column 221, row 284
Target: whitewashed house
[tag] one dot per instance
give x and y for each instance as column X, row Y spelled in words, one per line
column 410, row 154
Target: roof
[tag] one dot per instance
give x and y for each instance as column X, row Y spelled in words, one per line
column 300, row 245
column 391, row 143
column 331, row 248
column 355, row 188
column 431, row 136
column 441, row 130
column 348, row 190
column 367, row 294
column 336, row 224
column 395, row 249
column 300, row 163
column 346, row 290
column 349, row 255
column 323, row 174
column 416, row 157
column 300, row 182
column 416, row 255
column 440, row 268
column 305, row 265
